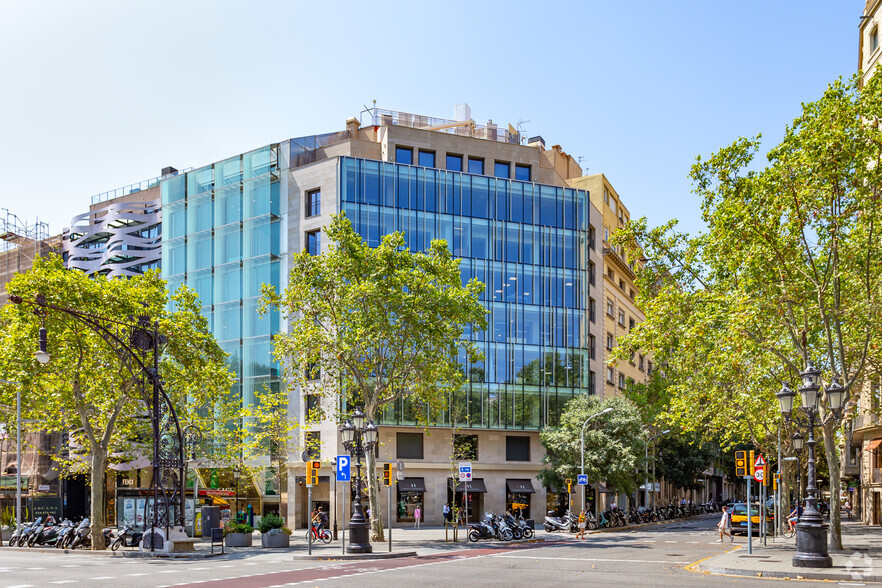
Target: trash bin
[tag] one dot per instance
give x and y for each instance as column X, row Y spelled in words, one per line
column 531, row 523
column 210, row 519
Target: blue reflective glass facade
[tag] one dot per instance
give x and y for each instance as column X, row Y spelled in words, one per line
column 528, row 244
column 221, row 235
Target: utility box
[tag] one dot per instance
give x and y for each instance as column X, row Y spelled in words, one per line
column 210, row 519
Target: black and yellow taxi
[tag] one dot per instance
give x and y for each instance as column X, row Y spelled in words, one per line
column 739, row 517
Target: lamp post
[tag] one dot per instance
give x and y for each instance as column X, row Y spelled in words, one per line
column 798, row 441
column 582, row 471
column 646, row 465
column 811, row 537
column 358, row 438
column 193, row 437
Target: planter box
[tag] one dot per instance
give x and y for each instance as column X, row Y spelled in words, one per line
column 238, row 539
column 275, row 540
column 6, row 534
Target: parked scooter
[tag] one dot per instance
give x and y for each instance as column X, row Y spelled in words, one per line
column 565, row 523
column 82, row 534
column 29, row 531
column 482, row 530
column 127, row 538
column 65, row 536
column 519, row 527
column 48, row 536
column 19, row 532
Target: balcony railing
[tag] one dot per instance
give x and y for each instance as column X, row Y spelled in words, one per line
column 464, row 128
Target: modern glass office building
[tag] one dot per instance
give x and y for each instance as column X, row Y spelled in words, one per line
column 527, row 243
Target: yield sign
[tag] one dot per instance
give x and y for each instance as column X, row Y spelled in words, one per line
column 760, row 462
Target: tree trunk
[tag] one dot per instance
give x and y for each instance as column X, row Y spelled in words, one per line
column 374, row 497
column 834, row 466
column 99, row 468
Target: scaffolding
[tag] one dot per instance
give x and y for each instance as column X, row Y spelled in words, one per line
column 20, row 244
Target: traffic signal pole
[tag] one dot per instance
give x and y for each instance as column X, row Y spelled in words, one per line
column 749, row 521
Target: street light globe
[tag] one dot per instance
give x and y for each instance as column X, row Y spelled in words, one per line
column 42, row 356
column 358, row 418
column 371, row 432
column 798, row 441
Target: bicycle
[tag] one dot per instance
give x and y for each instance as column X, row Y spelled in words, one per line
column 789, row 530
column 323, row 535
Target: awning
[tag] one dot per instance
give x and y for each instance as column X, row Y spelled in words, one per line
column 412, row 485
column 604, row 490
column 874, row 444
column 475, row 485
column 520, row 486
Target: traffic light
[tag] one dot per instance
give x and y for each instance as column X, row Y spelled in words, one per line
column 752, row 464
column 766, row 475
column 312, row 472
column 387, row 474
column 740, row 464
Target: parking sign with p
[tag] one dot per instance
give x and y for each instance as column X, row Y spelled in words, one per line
column 344, row 471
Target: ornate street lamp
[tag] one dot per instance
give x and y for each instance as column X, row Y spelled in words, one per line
column 811, row 537
column 359, row 438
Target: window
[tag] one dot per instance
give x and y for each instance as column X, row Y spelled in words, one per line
column 517, row 448
column 523, row 172
column 592, row 310
column 313, row 445
column 427, row 158
column 502, row 169
column 610, row 341
column 606, row 194
column 591, row 343
column 649, row 367
column 874, row 39
column 610, row 309
column 611, row 274
column 409, row 445
column 622, row 381
column 606, row 234
column 454, row 162
column 622, row 317
column 313, row 407
column 313, row 372
column 631, row 358
column 313, row 203
column 631, row 292
column 476, row 166
column 403, row 155
column 630, row 324
column 313, row 242
column 592, row 382
column 591, row 272
column 592, row 237
column 465, row 447
column 640, row 365
column 621, row 284
column 610, row 375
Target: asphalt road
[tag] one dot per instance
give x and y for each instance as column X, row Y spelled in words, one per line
column 654, row 556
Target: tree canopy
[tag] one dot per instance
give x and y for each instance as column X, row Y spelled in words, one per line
column 788, row 271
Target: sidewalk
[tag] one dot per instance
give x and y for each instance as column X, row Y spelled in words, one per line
column 861, row 560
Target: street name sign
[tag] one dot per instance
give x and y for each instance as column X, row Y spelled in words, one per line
column 465, row 471
column 344, row 468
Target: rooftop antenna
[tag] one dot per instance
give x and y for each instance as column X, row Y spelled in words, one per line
column 521, row 132
column 366, row 109
column 579, row 160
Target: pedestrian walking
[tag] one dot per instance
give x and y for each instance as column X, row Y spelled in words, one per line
column 725, row 526
column 581, row 533
column 848, row 509
column 417, row 513
column 446, row 512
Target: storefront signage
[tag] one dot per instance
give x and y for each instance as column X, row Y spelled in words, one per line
column 217, row 492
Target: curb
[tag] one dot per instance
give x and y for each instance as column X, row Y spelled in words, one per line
column 649, row 524
column 355, row 556
column 795, row 575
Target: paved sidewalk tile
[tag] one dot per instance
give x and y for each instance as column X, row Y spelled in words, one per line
column 861, row 560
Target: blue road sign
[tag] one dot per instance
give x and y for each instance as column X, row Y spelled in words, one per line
column 582, row 480
column 344, row 469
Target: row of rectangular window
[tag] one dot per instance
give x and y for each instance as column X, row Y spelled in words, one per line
column 207, row 211
column 427, row 190
column 410, row 446
column 425, row 158
column 238, row 169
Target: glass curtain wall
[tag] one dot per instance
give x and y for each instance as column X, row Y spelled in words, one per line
column 528, row 244
column 222, row 237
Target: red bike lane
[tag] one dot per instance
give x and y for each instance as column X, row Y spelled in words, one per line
column 341, row 569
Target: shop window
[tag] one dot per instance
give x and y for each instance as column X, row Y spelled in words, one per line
column 523, row 173
column 454, row 162
column 426, row 158
column 410, row 497
column 465, row 447
column 517, row 448
column 517, row 497
column 409, row 445
column 403, row 155
column 313, row 445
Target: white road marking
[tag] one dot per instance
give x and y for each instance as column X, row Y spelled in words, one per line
column 103, row 578
column 598, row 559
column 136, row 574
column 670, row 541
column 21, row 586
column 64, row 582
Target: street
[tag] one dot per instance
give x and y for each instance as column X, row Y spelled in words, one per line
column 651, row 556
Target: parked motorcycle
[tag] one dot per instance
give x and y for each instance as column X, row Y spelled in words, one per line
column 519, row 527
column 19, row 532
column 48, row 536
column 65, row 536
column 29, row 531
column 127, row 538
column 566, row 523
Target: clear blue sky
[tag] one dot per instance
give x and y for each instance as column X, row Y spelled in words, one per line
column 98, row 95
